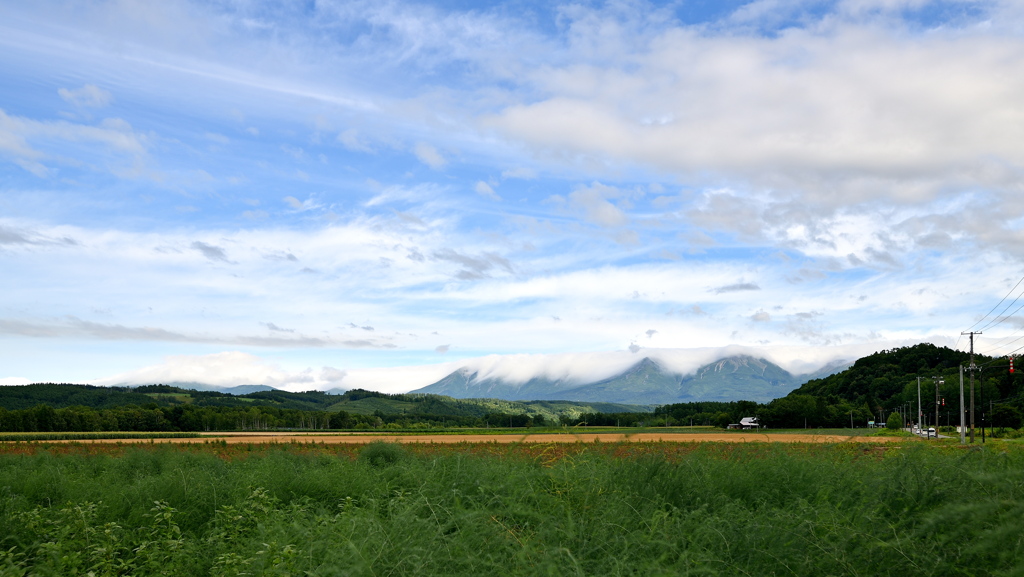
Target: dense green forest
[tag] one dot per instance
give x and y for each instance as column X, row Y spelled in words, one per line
column 887, row 381
column 63, row 407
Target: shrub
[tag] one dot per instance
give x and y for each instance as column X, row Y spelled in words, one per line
column 382, row 454
column 895, row 422
column 1006, row 416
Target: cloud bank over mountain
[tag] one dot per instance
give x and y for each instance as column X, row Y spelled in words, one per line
column 236, row 368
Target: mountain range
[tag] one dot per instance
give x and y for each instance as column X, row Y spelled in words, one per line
column 236, row 390
column 645, row 383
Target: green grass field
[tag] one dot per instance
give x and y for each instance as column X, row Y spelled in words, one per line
column 486, row 509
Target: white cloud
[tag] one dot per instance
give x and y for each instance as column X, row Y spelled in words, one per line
column 351, row 140
column 842, row 113
column 234, row 368
column 295, row 152
column 596, row 209
column 591, row 202
column 218, row 138
column 580, row 368
column 227, row 369
column 331, row 375
column 301, row 205
column 484, row 189
column 522, row 172
column 30, row 143
column 429, row 155
column 90, row 96
column 500, row 301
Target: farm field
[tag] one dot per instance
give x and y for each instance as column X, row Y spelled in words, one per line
column 363, row 438
column 542, row 508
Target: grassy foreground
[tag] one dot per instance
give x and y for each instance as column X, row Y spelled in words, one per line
column 657, row 509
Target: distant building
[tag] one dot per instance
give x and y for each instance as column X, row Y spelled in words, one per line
column 745, row 423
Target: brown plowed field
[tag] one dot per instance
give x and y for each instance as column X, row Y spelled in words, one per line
column 363, row 438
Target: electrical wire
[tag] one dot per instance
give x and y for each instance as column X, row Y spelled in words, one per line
column 998, row 346
column 1002, row 316
column 999, row 343
column 997, row 304
column 1002, row 343
column 1001, row 357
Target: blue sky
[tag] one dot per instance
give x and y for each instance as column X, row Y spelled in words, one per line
column 320, row 194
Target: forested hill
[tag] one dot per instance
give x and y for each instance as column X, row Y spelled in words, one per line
column 886, row 381
column 357, row 401
column 60, row 396
column 68, row 395
column 885, row 374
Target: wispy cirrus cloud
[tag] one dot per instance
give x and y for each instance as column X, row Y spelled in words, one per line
column 90, row 96
column 76, row 328
column 38, row 146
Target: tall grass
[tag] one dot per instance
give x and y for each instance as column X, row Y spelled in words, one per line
column 719, row 510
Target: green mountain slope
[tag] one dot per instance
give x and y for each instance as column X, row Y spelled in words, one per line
column 645, row 382
column 738, row 378
column 465, row 384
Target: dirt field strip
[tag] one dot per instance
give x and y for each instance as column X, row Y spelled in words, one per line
column 362, row 438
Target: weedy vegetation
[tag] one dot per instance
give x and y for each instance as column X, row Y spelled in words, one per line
column 485, row 509
column 92, row 435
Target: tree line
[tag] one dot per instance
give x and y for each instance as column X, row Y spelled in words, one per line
column 189, row 418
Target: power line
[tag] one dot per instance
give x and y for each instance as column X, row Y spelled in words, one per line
column 1018, row 349
column 997, row 347
column 997, row 304
column 1005, row 341
column 1001, row 317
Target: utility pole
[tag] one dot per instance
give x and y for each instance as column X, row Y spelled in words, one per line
column 962, row 425
column 919, row 403
column 938, row 381
column 972, row 368
column 983, row 412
